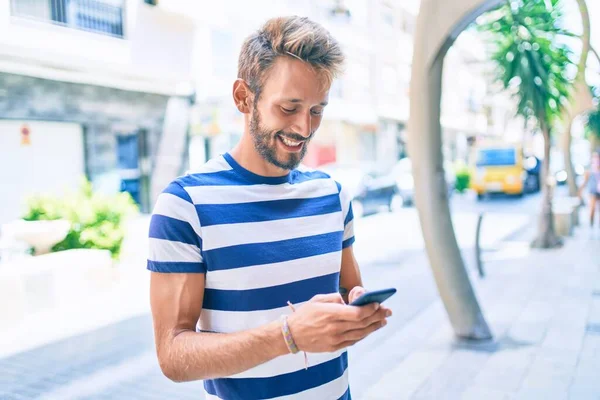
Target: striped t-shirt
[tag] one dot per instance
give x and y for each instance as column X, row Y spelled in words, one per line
column 261, row 241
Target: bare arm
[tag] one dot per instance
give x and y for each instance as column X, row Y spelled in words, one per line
column 324, row 324
column 351, row 280
column 349, row 273
column 585, row 182
column 186, row 355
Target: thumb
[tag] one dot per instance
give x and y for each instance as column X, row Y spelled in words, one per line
column 355, row 293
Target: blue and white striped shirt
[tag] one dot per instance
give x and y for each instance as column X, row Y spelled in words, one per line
column 261, row 241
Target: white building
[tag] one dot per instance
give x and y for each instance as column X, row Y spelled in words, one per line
column 369, row 105
column 96, row 88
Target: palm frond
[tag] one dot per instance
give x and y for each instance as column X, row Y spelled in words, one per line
column 522, row 39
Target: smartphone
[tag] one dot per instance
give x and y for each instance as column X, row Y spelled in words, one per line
column 376, row 296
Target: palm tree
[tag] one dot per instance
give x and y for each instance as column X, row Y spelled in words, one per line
column 593, row 123
column 581, row 101
column 533, row 65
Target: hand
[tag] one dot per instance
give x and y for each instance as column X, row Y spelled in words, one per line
column 355, row 293
column 327, row 324
column 358, row 291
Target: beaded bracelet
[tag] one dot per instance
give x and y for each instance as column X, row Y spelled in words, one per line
column 289, row 339
column 287, row 335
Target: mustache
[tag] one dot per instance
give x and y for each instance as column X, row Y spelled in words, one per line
column 294, row 136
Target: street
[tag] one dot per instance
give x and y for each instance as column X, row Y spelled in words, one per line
column 192, row 136
column 118, row 361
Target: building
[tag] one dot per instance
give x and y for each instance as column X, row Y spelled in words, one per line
column 95, row 88
column 368, row 109
column 366, row 119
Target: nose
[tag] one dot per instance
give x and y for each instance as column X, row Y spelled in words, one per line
column 303, row 124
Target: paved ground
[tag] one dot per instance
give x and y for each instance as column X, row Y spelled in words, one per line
column 543, row 307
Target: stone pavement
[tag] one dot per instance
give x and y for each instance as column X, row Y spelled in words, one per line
column 544, row 309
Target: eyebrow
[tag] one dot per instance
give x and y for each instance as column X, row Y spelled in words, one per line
column 324, row 103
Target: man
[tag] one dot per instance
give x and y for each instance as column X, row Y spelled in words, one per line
column 231, row 244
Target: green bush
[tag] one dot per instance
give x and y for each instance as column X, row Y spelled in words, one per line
column 96, row 220
column 463, row 180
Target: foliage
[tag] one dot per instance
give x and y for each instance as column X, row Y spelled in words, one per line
column 524, row 39
column 593, row 120
column 463, row 179
column 96, row 220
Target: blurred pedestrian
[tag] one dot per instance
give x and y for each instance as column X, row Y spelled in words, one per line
column 235, row 243
column 592, row 183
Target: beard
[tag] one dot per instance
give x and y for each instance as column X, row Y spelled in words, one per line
column 265, row 143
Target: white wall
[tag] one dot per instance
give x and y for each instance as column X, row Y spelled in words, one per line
column 53, row 162
column 154, row 55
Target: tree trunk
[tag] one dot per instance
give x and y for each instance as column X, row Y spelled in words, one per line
column 546, row 236
column 570, row 112
column 566, row 147
column 594, row 142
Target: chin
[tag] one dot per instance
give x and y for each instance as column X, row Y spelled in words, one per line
column 287, row 163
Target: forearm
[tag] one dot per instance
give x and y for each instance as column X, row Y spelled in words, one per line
column 193, row 355
column 346, row 285
column 349, row 274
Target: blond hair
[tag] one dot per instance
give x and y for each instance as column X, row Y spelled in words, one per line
column 296, row 37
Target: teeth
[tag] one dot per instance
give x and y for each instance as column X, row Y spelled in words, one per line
column 289, row 142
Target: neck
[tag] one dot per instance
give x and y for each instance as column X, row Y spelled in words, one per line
column 246, row 155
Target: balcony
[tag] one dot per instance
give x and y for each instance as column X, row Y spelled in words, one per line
column 105, row 17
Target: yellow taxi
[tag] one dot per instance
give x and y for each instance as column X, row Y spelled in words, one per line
column 498, row 169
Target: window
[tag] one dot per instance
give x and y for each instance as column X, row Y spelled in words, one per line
column 408, row 23
column 98, row 16
column 359, row 12
column 359, row 84
column 387, row 15
column 496, row 157
column 389, row 79
column 368, row 146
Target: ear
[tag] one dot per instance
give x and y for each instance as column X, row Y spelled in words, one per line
column 242, row 96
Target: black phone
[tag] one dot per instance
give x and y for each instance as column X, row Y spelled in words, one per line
column 375, row 296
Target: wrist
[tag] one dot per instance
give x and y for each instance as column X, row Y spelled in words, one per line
column 287, row 335
column 276, row 339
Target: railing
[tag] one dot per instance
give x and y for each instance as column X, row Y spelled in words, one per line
column 97, row 16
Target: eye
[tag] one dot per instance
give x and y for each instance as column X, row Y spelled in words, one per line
column 317, row 112
column 287, row 110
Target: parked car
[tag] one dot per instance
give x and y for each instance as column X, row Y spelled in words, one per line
column 498, row 168
column 532, row 167
column 371, row 188
column 402, row 174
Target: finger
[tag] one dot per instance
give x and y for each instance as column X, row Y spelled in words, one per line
column 378, row 316
column 386, row 311
column 356, row 292
column 359, row 334
column 329, row 298
column 354, row 313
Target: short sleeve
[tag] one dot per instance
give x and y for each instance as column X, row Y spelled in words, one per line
column 346, row 203
column 175, row 242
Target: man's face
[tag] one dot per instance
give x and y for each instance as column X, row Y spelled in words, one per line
column 288, row 112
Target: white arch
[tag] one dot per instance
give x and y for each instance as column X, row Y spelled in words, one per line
column 438, row 25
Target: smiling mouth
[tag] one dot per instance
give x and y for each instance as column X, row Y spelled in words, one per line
column 291, row 144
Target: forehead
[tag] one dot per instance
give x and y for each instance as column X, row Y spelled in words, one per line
column 292, row 78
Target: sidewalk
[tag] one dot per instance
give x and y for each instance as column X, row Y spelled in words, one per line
column 126, row 294
column 120, row 292
column 544, row 310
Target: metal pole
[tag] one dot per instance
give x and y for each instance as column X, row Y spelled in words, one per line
column 478, row 246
